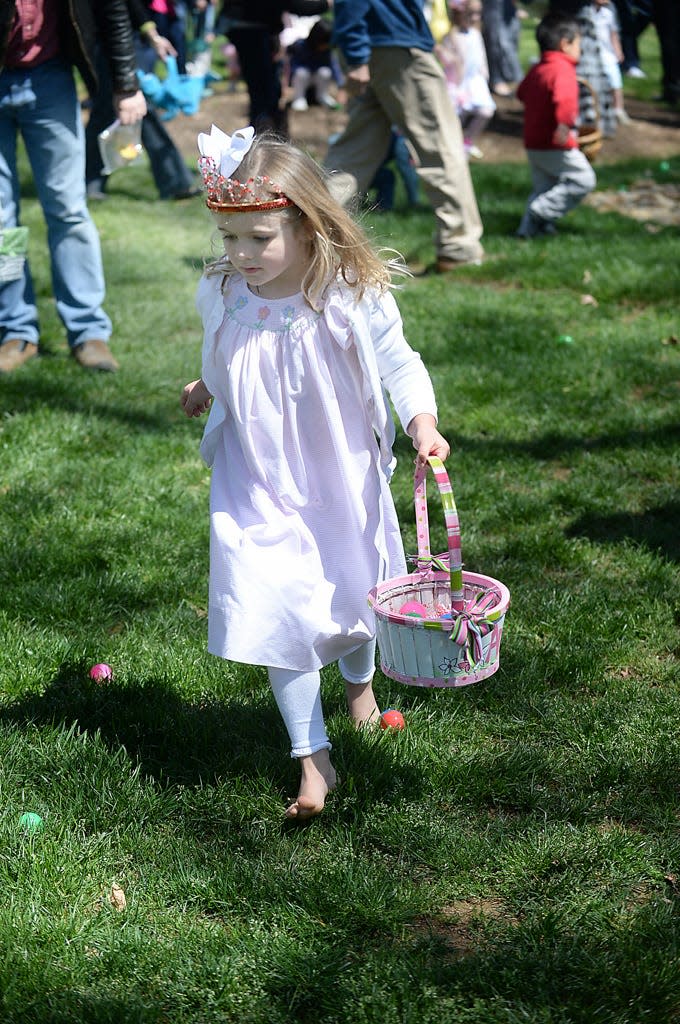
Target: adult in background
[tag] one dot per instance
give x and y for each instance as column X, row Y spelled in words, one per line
column 501, row 28
column 394, row 80
column 666, row 16
column 170, row 20
column 254, row 27
column 634, row 17
column 40, row 44
column 172, row 177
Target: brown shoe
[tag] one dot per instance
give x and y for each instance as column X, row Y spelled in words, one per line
column 95, row 355
column 444, row 266
column 14, row 352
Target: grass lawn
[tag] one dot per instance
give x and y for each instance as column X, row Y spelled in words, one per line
column 513, row 855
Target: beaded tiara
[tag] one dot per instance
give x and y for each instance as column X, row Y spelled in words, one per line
column 221, row 154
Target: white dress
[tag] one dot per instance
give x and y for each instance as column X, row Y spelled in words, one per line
column 302, row 520
column 463, row 58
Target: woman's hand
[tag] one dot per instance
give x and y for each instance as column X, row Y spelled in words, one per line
column 130, row 109
column 426, row 438
column 195, row 398
column 162, row 47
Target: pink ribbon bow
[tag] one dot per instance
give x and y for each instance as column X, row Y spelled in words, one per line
column 470, row 626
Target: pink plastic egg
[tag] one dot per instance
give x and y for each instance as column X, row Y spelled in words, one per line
column 414, row 608
column 101, row 672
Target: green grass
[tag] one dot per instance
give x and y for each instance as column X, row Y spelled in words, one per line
column 513, row 855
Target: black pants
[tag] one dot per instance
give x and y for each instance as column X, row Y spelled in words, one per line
column 633, row 20
column 256, row 51
column 666, row 15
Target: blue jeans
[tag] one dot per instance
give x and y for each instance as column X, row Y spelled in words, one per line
column 41, row 104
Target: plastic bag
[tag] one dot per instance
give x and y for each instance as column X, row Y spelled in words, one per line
column 13, row 248
column 13, row 241
column 120, row 145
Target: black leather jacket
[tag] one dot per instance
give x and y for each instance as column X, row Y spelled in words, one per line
column 83, row 24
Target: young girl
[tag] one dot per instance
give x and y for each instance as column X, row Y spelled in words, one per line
column 463, row 57
column 607, row 25
column 300, row 333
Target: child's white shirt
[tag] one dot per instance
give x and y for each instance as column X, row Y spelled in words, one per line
column 606, row 23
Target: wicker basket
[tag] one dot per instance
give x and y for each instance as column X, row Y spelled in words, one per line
column 457, row 641
column 590, row 135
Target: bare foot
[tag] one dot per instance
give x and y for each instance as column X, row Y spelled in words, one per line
column 318, row 779
column 361, row 703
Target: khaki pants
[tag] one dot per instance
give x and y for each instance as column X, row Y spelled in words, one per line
column 408, row 90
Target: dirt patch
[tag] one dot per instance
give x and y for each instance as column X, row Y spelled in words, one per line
column 645, row 200
column 654, row 132
column 459, row 928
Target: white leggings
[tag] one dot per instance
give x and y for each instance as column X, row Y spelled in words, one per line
column 298, row 696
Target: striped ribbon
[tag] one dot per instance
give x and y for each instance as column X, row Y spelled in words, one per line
column 455, row 566
column 471, row 625
column 437, row 562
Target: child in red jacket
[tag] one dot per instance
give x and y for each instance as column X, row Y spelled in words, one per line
column 560, row 173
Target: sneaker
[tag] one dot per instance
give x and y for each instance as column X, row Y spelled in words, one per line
column 474, row 151
column 95, row 355
column 299, row 104
column 15, row 352
column 532, row 226
column 328, row 101
column 622, row 117
column 635, row 72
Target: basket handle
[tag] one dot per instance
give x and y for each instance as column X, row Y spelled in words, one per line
column 452, row 526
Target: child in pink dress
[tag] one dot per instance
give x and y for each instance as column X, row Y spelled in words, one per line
column 462, row 55
column 302, row 335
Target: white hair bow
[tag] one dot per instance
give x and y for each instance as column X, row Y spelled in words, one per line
column 226, row 151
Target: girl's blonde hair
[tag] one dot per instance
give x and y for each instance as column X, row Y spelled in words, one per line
column 338, row 246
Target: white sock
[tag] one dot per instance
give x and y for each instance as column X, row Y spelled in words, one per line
column 298, row 696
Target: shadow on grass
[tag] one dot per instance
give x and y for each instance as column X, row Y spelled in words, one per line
column 173, row 740
column 86, row 395
column 656, row 529
column 178, row 742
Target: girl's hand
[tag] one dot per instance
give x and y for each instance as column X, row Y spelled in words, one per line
column 426, row 438
column 195, row 398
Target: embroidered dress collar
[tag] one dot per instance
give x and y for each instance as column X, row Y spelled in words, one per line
column 260, row 314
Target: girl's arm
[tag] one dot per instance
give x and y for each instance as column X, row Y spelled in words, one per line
column 408, row 382
column 616, row 45
column 195, row 398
